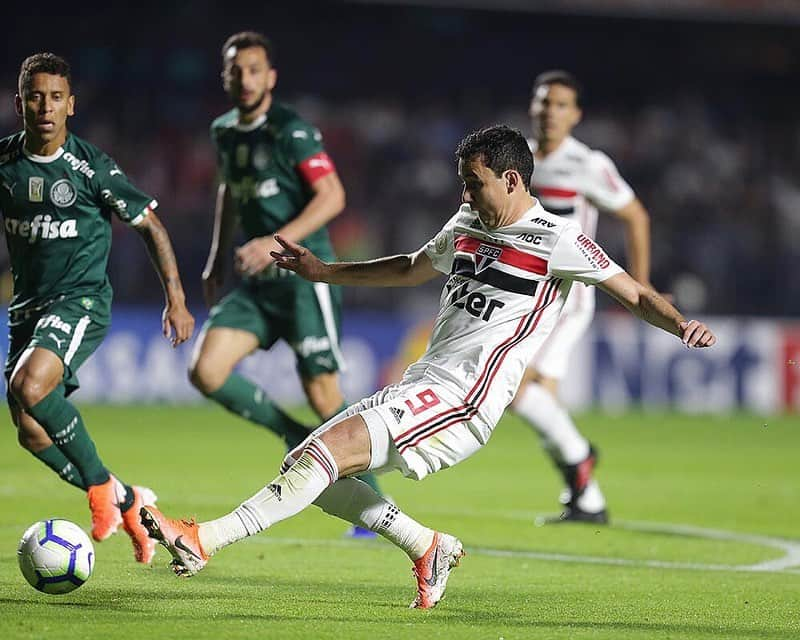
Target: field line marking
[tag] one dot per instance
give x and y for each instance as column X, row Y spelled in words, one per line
column 788, row 563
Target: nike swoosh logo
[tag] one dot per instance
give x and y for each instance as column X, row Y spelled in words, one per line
column 179, row 544
column 432, row 580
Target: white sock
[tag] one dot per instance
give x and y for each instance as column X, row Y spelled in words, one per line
column 355, row 501
column 551, row 420
column 287, row 495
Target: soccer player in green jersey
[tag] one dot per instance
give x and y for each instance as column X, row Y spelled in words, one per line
column 274, row 177
column 57, row 196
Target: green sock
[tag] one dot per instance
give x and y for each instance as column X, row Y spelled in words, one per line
column 65, row 427
column 58, row 462
column 369, row 478
column 240, row 396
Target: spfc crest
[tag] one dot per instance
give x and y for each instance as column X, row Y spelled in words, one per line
column 485, row 255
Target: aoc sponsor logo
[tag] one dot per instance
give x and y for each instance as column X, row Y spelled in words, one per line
column 597, row 256
column 81, row 166
column 42, row 228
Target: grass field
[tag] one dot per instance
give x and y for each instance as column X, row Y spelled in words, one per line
column 705, row 539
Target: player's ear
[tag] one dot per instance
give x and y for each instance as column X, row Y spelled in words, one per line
column 513, row 180
column 578, row 116
column 272, row 78
column 18, row 104
column 71, row 105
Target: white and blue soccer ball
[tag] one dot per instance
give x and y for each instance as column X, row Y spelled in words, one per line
column 55, row 556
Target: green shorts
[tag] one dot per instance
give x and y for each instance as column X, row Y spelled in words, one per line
column 72, row 328
column 307, row 315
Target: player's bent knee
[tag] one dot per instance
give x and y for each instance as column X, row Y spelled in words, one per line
column 28, row 390
column 207, row 378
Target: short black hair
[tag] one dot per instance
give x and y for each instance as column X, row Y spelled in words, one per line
column 500, row 148
column 559, row 76
column 42, row 63
column 247, row 39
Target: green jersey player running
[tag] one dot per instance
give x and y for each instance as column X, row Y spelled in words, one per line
column 57, row 198
column 275, row 177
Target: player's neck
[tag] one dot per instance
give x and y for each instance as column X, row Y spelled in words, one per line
column 548, row 145
column 518, row 207
column 255, row 114
column 38, row 147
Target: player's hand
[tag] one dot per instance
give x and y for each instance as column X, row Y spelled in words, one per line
column 254, row 256
column 297, row 258
column 213, row 280
column 696, row 334
column 177, row 317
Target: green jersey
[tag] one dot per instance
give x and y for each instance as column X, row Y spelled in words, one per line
column 268, row 166
column 57, row 218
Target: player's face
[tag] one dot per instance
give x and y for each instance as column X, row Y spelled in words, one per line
column 486, row 193
column 248, row 77
column 45, row 105
column 554, row 112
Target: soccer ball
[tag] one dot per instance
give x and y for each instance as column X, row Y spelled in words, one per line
column 55, row 556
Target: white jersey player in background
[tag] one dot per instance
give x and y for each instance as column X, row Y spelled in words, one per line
column 510, row 265
column 573, row 181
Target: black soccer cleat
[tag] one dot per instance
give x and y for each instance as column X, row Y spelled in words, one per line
column 574, row 514
column 578, row 476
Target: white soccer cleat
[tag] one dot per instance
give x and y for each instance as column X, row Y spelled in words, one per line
column 433, row 569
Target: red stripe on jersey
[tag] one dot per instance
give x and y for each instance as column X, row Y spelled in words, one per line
column 315, row 167
column 508, row 255
column 554, row 192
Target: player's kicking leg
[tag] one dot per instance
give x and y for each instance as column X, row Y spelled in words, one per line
column 346, row 448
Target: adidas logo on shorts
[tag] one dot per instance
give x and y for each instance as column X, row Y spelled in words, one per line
column 397, row 413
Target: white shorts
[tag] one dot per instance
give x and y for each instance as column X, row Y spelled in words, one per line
column 429, row 427
column 552, row 358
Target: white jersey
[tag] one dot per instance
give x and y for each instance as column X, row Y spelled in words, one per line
column 573, row 182
column 503, row 297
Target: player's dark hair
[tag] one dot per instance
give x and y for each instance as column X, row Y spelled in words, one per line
column 42, row 63
column 501, row 148
column 559, row 76
column 247, row 39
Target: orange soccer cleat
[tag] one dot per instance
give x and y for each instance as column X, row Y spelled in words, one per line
column 180, row 537
column 104, row 501
column 433, row 569
column 144, row 547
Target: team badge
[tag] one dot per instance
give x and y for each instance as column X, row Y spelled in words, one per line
column 242, row 154
column 62, row 193
column 441, row 242
column 36, row 189
column 87, row 303
column 485, row 255
column 260, row 158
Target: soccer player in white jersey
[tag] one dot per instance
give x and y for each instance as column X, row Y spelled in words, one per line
column 509, row 267
column 573, row 182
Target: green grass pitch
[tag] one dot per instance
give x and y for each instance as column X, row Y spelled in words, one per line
column 704, row 540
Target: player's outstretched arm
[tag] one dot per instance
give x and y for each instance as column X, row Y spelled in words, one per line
column 645, row 303
column 176, row 316
column 393, row 271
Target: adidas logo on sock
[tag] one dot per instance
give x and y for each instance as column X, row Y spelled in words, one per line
column 276, row 490
column 397, row 413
